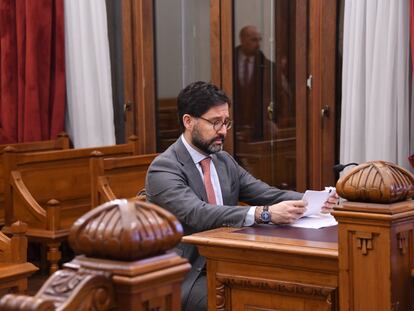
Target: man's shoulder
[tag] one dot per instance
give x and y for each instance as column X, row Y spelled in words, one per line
column 170, row 157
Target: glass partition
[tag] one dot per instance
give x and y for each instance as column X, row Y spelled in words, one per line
column 182, row 30
column 264, row 99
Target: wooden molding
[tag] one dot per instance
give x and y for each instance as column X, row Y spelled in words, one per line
column 364, row 241
column 308, row 291
column 403, row 238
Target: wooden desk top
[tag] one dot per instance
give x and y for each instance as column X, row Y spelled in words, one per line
column 271, row 238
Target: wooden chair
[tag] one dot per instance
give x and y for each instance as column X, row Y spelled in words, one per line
column 61, row 142
column 50, row 190
column 118, row 178
column 126, row 263
column 14, row 270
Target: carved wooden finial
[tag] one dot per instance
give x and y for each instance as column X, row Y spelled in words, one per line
column 18, row 227
column 376, row 182
column 133, row 138
column 96, row 153
column 63, row 134
column 9, row 149
column 52, row 202
column 125, row 230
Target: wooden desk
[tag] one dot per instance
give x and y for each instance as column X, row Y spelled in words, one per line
column 270, row 268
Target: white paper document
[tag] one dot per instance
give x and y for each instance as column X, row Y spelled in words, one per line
column 313, row 218
column 315, row 200
column 315, row 221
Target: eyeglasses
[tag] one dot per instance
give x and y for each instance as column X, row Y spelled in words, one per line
column 218, row 124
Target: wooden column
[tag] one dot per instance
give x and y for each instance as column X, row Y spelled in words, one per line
column 376, row 239
column 149, row 284
column 375, row 255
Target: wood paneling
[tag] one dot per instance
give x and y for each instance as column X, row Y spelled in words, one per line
column 227, row 47
column 139, row 72
column 376, row 256
column 268, row 268
column 321, row 127
column 300, row 51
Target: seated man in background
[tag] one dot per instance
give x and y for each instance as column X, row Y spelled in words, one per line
column 201, row 184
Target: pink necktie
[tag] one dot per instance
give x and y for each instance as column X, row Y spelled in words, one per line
column 205, row 167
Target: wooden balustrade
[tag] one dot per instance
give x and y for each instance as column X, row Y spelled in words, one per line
column 126, row 263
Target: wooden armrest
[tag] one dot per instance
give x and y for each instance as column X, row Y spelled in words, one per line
column 105, row 189
column 24, row 194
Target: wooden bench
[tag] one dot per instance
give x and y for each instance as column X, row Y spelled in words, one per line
column 61, row 142
column 118, row 178
column 14, row 268
column 50, row 190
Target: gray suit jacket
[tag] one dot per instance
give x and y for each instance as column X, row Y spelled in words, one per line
column 174, row 183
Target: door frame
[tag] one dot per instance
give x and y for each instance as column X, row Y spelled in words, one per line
column 139, row 72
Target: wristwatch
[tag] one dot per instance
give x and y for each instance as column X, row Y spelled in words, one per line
column 265, row 216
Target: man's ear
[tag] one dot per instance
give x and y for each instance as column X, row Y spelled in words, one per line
column 188, row 121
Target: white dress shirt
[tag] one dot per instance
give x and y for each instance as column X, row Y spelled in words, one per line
column 197, row 157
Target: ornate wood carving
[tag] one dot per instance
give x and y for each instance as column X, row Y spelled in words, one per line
column 12, row 302
column 308, row 291
column 376, row 182
column 364, row 241
column 125, row 231
column 67, row 290
column 402, row 238
column 220, row 296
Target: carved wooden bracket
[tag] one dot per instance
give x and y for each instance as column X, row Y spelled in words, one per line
column 364, row 241
column 67, row 290
column 402, row 238
column 308, row 291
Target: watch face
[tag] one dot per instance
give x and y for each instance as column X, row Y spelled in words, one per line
column 265, row 216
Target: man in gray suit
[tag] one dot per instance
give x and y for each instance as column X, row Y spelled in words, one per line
column 206, row 196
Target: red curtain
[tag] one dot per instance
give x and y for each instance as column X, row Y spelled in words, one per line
column 32, row 70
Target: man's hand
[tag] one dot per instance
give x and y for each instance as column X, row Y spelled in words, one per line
column 330, row 203
column 287, row 212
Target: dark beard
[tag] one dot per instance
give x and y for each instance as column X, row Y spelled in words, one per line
column 207, row 147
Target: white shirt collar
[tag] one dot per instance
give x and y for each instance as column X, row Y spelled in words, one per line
column 195, row 155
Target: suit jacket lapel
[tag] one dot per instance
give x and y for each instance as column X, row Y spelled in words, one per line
column 190, row 170
column 224, row 179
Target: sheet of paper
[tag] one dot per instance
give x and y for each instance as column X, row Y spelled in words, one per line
column 315, row 221
column 315, row 200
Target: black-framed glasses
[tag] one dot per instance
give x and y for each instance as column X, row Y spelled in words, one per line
column 218, row 124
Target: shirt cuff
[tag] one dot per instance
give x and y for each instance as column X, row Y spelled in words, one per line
column 249, row 219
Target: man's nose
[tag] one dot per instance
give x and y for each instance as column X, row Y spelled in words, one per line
column 222, row 130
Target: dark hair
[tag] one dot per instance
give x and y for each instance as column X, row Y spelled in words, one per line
column 197, row 98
